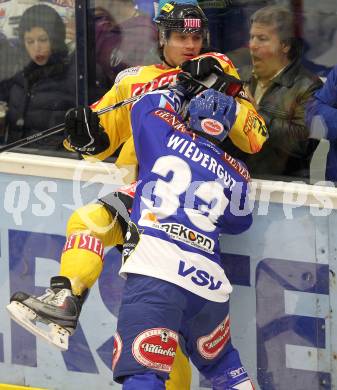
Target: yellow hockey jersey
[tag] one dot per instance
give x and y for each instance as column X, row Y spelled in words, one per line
column 248, row 132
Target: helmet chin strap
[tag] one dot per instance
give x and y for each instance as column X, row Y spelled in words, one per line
column 166, row 62
column 162, row 56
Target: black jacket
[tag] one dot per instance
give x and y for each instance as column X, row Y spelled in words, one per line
column 38, row 98
column 288, row 151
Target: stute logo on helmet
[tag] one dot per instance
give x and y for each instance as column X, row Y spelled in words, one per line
column 192, row 23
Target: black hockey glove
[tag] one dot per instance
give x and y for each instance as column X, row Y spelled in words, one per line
column 224, row 83
column 187, row 86
column 201, row 68
column 83, row 131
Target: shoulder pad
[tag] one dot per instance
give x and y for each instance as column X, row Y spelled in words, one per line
column 127, row 72
column 220, row 57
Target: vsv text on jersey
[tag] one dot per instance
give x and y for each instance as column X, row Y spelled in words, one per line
column 200, row 277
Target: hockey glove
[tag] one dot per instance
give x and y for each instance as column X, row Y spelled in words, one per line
column 83, row 131
column 201, row 68
column 213, row 114
column 224, row 83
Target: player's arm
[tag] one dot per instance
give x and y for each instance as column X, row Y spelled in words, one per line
column 249, row 130
column 238, row 215
column 154, row 114
column 96, row 136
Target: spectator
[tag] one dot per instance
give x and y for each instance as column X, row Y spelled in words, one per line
column 39, row 96
column 11, row 11
column 280, row 86
column 130, row 42
column 147, row 6
column 321, row 116
column 225, row 16
column 319, row 41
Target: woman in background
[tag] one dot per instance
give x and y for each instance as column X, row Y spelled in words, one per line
column 39, row 96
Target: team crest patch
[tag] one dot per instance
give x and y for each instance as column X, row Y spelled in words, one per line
column 156, row 348
column 212, row 127
column 117, row 349
column 211, row 345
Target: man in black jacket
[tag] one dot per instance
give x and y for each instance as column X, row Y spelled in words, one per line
column 280, row 86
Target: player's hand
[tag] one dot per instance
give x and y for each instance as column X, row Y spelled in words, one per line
column 220, row 82
column 229, row 106
column 216, row 106
column 83, row 131
column 201, row 68
column 187, row 86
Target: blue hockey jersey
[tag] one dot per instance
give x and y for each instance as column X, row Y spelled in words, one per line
column 189, row 192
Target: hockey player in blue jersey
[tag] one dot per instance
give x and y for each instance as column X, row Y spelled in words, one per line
column 189, row 192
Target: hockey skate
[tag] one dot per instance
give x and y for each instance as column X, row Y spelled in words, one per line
column 52, row 316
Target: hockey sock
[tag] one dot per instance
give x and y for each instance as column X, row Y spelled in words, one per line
column 82, row 261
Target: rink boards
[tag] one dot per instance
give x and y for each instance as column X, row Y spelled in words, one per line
column 283, row 308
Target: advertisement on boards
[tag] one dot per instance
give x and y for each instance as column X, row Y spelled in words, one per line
column 282, row 307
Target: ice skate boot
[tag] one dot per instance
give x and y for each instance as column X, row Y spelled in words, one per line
column 52, row 316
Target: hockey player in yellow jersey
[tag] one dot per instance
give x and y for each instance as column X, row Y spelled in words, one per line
column 183, row 35
column 179, row 51
column 248, row 132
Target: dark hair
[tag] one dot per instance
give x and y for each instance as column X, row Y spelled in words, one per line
column 46, row 17
column 283, row 20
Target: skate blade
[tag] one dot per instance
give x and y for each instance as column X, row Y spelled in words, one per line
column 28, row 319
